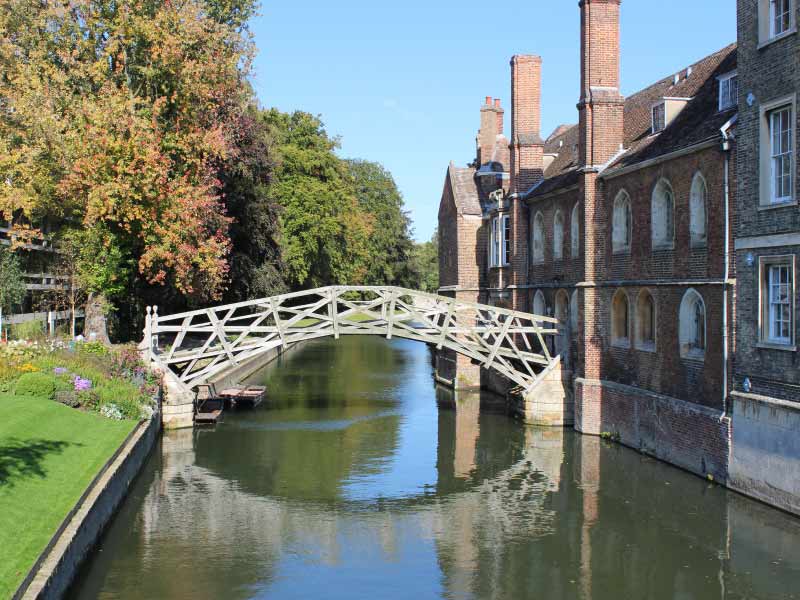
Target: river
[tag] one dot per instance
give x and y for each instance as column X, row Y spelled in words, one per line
column 359, row 478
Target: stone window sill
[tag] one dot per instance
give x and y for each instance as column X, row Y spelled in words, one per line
column 694, row 355
column 622, row 343
column 622, row 251
column 646, row 346
column 664, row 247
column 777, row 38
column 774, row 346
column 699, row 245
column 775, row 205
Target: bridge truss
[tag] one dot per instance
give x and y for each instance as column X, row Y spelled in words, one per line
column 202, row 344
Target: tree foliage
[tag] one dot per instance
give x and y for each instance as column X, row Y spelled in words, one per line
column 426, row 264
column 324, row 232
column 12, row 281
column 390, row 245
column 117, row 115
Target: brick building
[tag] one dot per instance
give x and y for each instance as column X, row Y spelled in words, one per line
column 619, row 226
column 766, row 433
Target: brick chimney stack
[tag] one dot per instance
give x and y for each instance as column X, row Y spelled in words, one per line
column 491, row 127
column 527, row 147
column 601, row 104
column 500, row 116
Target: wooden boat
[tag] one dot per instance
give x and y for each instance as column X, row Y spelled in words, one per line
column 244, row 395
column 208, row 405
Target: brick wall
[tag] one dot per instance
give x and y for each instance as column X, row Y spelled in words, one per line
column 766, row 74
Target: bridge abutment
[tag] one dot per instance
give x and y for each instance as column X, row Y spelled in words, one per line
column 551, row 402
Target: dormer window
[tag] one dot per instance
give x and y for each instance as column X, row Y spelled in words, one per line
column 728, row 91
column 659, row 117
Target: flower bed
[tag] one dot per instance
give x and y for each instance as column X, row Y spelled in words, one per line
column 88, row 376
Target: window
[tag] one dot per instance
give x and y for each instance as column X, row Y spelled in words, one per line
column 558, row 236
column 662, row 221
column 659, row 117
column 621, row 223
column 500, row 241
column 539, row 304
column 780, row 16
column 780, row 135
column 573, row 311
column 697, row 211
column 575, row 232
column 692, row 325
column 646, row 321
column 506, row 239
column 620, row 320
column 777, row 300
column 728, row 91
column 538, row 238
column 562, row 314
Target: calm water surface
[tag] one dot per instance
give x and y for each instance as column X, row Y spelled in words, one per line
column 359, row 479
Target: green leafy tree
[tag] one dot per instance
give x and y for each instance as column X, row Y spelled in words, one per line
column 12, row 280
column 324, row 233
column 256, row 262
column 390, row 245
column 426, row 264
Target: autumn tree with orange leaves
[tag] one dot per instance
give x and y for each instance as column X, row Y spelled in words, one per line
column 116, row 117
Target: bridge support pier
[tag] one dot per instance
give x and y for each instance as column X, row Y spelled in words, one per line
column 551, row 402
column 177, row 411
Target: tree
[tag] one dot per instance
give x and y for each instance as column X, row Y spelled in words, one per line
column 256, row 262
column 88, row 268
column 390, row 245
column 118, row 116
column 324, row 232
column 12, row 280
column 426, row 264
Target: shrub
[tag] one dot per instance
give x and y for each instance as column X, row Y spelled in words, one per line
column 93, row 348
column 29, row 330
column 43, row 385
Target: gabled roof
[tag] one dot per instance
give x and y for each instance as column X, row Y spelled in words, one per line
column 465, row 191
column 700, row 120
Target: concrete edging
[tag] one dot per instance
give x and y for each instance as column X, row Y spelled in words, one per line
column 57, row 565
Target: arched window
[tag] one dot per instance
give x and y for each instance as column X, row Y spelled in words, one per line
column 558, row 235
column 575, row 232
column 562, row 314
column 646, row 321
column 692, row 327
column 662, row 215
column 539, row 304
column 538, row 238
column 620, row 319
column 621, row 223
column 697, row 211
column 573, row 311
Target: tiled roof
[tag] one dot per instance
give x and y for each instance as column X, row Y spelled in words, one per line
column 699, row 120
column 465, row 190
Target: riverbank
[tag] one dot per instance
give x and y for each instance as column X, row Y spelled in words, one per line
column 49, row 454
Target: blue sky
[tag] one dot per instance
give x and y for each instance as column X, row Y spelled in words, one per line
column 402, row 82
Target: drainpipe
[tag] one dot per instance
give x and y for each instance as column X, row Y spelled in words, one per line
column 726, row 149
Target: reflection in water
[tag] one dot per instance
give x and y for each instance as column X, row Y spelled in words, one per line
column 358, row 479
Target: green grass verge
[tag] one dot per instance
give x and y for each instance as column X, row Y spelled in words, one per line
column 49, row 454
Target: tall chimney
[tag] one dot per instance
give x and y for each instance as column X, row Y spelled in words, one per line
column 487, row 136
column 500, row 115
column 601, row 104
column 526, row 143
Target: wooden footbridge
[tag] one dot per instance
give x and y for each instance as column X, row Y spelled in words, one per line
column 201, row 345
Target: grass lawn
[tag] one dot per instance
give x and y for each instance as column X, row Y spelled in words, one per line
column 49, row 453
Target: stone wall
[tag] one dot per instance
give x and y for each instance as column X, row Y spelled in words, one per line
column 765, row 450
column 693, row 437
